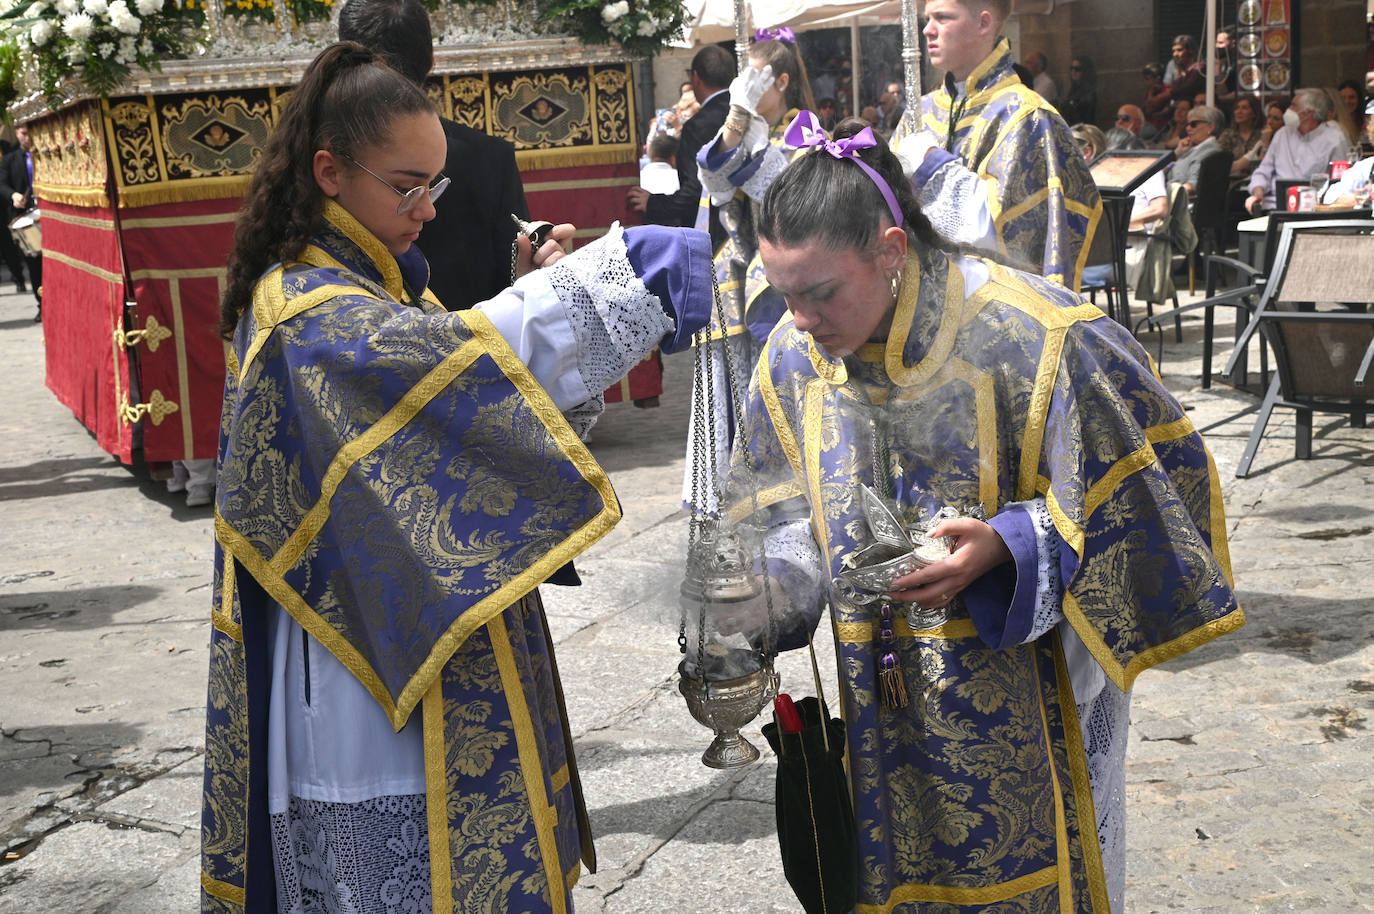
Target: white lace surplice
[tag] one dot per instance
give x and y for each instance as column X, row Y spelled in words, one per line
column 346, row 793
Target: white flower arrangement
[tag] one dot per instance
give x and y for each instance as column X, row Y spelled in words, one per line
column 640, row 26
column 95, row 41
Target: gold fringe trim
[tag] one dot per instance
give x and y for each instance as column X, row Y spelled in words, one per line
column 183, row 191
column 436, row 790
column 72, row 196
column 575, row 157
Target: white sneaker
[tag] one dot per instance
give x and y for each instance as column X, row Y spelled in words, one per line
column 177, row 482
column 199, row 496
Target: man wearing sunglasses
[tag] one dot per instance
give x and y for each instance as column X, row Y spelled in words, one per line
column 468, row 243
column 1130, row 117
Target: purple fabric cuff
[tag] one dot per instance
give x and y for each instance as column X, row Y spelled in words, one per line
column 936, row 159
column 675, row 265
column 1002, row 602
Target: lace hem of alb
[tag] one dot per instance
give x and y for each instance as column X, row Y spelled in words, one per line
column 353, row 858
column 615, row 319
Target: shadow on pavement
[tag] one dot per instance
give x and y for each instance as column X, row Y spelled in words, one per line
column 82, row 608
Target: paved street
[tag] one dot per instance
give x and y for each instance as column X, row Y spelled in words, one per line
column 1250, row 767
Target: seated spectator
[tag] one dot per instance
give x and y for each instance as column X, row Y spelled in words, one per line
column 1149, row 204
column 1079, row 105
column 1090, row 140
column 1303, row 147
column 870, row 114
column 1178, row 127
column 1342, row 118
column 1157, row 98
column 825, row 113
column 1188, row 78
column 1353, row 188
column 1204, row 124
column 1352, row 95
column 1247, row 138
column 1132, row 119
column 660, row 175
column 1121, row 138
column 1041, row 81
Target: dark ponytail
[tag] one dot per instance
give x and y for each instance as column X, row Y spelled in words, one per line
column 346, row 101
column 821, row 198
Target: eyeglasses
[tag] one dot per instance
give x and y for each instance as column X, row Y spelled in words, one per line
column 1075, row 67
column 1123, row 117
column 408, row 197
column 1196, row 123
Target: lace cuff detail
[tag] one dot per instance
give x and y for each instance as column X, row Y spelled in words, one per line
column 716, row 181
column 775, row 159
column 955, row 202
column 614, row 318
column 1049, row 587
column 794, row 561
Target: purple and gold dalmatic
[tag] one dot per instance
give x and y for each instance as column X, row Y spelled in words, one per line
column 976, row 795
column 353, row 406
column 1044, row 202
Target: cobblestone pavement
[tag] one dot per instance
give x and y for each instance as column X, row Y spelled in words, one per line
column 1250, row 767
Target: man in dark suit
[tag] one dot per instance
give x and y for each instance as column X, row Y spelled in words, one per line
column 16, row 192
column 712, row 70
column 468, row 242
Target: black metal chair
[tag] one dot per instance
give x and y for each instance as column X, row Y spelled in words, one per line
column 1209, row 208
column 1322, row 358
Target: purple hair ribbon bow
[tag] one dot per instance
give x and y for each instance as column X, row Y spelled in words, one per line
column 805, row 133
column 781, row 33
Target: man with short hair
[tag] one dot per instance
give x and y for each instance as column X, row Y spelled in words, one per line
column 1204, row 124
column 994, row 164
column 1130, row 117
column 1304, row 146
column 1041, row 81
column 468, row 242
column 712, row 70
column 660, row 175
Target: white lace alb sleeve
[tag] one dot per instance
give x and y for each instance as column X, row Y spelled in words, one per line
column 775, row 159
column 955, row 200
column 1049, row 586
column 581, row 324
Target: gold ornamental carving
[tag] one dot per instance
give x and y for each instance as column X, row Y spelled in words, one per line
column 131, row 128
column 215, row 136
column 543, row 109
column 612, row 106
column 467, row 101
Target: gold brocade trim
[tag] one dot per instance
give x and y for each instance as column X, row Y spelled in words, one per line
column 531, row 765
column 537, row 187
column 951, row 320
column 151, row 222
column 93, row 222
column 1037, row 413
column 572, row 877
column 1124, row 677
column 1101, row 490
column 183, row 369
column 273, row 309
column 189, row 190
column 538, row 159
column 190, row 273
column 986, row 895
column 864, row 632
column 811, row 439
column 222, row 890
column 1082, row 785
column 151, row 335
column 98, row 272
column 780, row 424
column 766, row 498
column 1068, row 530
column 1023, row 205
column 561, row 778
column 223, row 618
column 1094, row 222
column 1221, row 546
column 71, row 196
column 436, row 799
column 1181, row 427
column 374, row 249
column 1063, row 860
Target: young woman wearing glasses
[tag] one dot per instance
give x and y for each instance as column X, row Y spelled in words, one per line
column 385, row 725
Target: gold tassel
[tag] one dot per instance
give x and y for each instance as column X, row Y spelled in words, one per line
column 891, row 682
